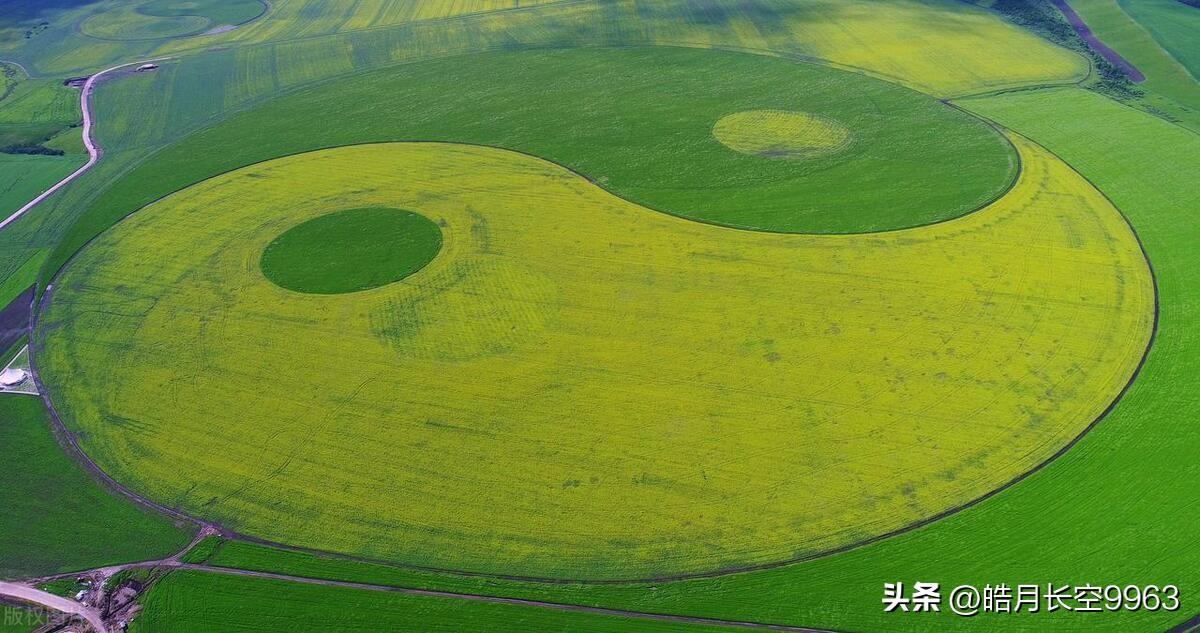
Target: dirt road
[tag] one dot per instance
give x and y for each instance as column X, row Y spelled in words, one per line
column 94, row 150
column 51, row 601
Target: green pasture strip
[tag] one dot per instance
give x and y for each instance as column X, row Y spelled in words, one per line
column 17, row 354
column 254, row 557
column 140, row 575
column 24, row 177
column 20, row 279
column 1174, row 24
column 41, row 101
column 204, row 550
column 69, row 141
column 56, row 517
column 1106, row 524
column 34, row 111
column 10, row 76
column 1164, row 74
column 186, row 601
column 14, row 350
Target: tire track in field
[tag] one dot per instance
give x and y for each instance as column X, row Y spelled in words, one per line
column 558, row 606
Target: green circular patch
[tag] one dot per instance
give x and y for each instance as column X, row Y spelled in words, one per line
column 352, row 250
column 780, row 133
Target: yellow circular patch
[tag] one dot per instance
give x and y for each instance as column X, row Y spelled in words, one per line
column 780, row 134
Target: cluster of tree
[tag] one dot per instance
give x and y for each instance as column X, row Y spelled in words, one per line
column 1046, row 20
column 38, row 150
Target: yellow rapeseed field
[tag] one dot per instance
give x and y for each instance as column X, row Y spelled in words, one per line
column 579, row 387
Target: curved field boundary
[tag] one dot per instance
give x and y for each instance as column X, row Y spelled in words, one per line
column 18, row 66
column 94, row 149
column 1105, row 51
column 70, row 443
column 210, row 29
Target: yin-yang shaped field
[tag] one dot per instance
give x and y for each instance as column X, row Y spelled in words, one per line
column 579, row 387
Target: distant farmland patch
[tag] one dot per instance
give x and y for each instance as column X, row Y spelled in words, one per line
column 162, row 19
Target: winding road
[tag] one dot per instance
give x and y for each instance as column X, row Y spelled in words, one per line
column 94, row 150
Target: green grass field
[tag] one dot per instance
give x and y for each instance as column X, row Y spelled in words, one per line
column 203, row 551
column 22, row 278
column 352, row 250
column 196, row 601
column 23, row 177
column 1175, row 25
column 65, row 587
column 34, row 110
column 56, row 518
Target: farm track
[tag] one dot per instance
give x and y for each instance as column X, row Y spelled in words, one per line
column 27, row 593
column 93, row 148
column 559, row 606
